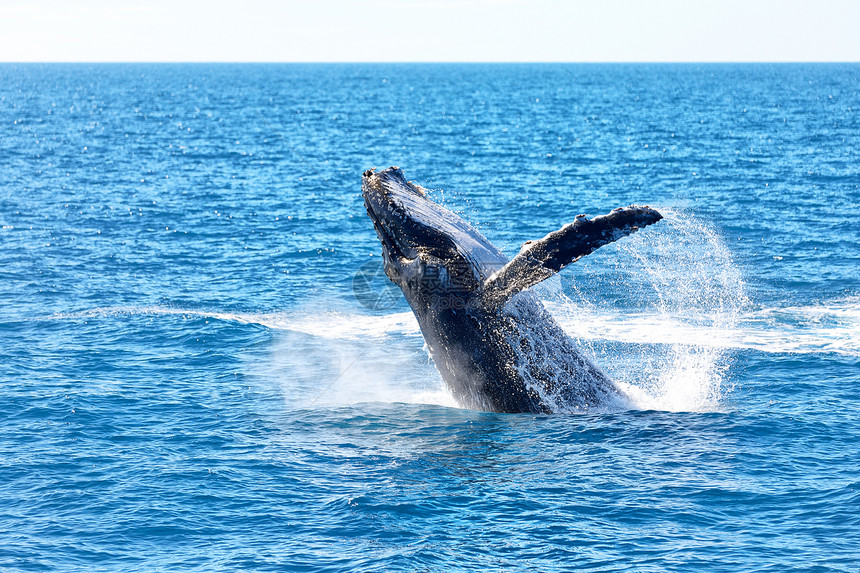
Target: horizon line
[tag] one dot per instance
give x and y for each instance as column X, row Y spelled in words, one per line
column 432, row 62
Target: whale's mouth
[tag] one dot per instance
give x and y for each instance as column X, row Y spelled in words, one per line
column 408, row 223
column 380, row 200
column 389, row 240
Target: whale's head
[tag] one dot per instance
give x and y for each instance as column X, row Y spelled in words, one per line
column 424, row 245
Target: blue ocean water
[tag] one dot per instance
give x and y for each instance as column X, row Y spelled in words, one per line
column 190, row 380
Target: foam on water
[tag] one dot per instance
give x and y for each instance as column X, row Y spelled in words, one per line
column 322, row 370
column 669, row 362
column 673, row 352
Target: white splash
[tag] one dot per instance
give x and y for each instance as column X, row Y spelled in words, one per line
column 687, row 296
column 669, row 341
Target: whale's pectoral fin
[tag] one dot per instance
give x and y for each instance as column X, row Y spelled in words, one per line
column 539, row 260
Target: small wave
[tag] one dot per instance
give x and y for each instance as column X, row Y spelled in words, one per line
column 671, row 361
column 817, row 329
column 155, row 310
column 353, row 326
column 826, row 327
column 333, row 325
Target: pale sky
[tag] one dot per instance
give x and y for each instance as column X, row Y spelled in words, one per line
column 429, row 30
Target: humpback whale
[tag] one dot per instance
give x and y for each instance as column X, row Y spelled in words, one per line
column 496, row 346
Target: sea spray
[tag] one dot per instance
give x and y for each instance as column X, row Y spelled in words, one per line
column 334, row 359
column 682, row 296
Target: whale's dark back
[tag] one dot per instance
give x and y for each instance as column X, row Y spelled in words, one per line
column 514, row 359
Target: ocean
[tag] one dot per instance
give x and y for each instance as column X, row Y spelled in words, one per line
column 204, row 368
